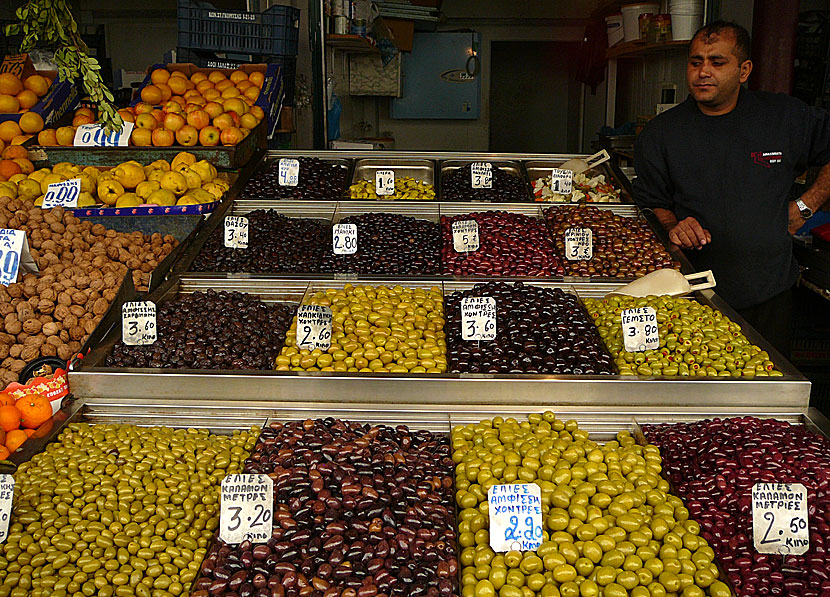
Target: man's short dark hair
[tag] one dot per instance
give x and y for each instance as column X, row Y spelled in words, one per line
column 743, row 44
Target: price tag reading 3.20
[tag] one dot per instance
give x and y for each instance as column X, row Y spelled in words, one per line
column 481, row 175
column 779, row 518
column 289, row 172
column 465, row 236
column 579, row 244
column 384, row 183
column 62, row 194
column 236, row 232
column 314, row 327
column 478, row 318
column 138, row 323
column 344, row 239
column 640, row 331
column 562, row 181
column 246, row 511
column 6, row 495
column 515, row 517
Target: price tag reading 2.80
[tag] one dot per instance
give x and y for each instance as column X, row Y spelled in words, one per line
column 314, row 327
column 515, row 517
column 344, row 239
column 478, row 318
column 138, row 323
column 779, row 518
column 640, row 332
column 246, row 511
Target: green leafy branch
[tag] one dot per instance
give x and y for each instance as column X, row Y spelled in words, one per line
column 51, row 21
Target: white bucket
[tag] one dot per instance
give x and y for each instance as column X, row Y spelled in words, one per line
column 614, row 27
column 686, row 6
column 684, row 26
column 631, row 18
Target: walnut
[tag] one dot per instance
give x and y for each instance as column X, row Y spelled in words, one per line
column 32, row 326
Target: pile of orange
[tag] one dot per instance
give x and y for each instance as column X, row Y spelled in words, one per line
column 14, row 160
column 18, row 97
column 19, row 419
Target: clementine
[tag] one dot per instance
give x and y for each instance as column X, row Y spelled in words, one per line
column 257, row 78
column 237, row 76
column 15, row 439
column 34, row 410
column 7, row 400
column 152, row 95
column 160, row 75
column 9, row 418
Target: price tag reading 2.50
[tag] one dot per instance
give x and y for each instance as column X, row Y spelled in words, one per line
column 314, row 327
column 344, row 239
column 779, row 518
column 478, row 318
column 247, row 509
column 138, row 323
column 640, row 332
column 515, row 517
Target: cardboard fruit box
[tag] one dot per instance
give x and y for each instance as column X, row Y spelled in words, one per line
column 61, row 98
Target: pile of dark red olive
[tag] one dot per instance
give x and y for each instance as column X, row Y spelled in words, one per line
column 318, row 179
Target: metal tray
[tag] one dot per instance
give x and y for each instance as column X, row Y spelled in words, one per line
column 420, row 170
column 512, row 167
column 270, row 158
column 539, row 168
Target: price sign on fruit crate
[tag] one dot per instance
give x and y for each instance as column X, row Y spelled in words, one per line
column 6, row 495
column 344, row 239
column 561, row 181
column 62, row 194
column 478, row 318
column 779, row 518
column 289, row 172
column 579, row 244
column 515, row 517
column 246, row 511
column 481, row 175
column 314, row 327
column 465, row 236
column 236, row 232
column 95, row 135
column 640, row 331
column 138, row 323
column 11, row 250
column 384, row 182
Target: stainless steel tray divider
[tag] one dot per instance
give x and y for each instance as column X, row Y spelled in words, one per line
column 461, row 208
column 423, row 210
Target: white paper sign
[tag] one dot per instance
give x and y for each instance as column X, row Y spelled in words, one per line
column 384, row 182
column 236, row 232
column 62, row 194
column 138, row 323
column 579, row 244
column 289, row 172
column 562, row 181
column 640, row 329
column 344, row 239
column 481, row 175
column 779, row 518
column 246, row 511
column 314, row 327
column 478, row 318
column 95, row 135
column 465, row 236
column 14, row 253
column 515, row 517
column 6, row 495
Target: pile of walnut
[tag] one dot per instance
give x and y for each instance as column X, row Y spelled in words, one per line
column 81, row 268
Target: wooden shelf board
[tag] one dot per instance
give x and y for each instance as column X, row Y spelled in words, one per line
column 350, row 43
column 641, row 48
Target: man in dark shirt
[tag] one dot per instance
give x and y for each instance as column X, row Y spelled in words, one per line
column 717, row 170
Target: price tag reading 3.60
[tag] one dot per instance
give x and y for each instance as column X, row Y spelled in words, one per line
column 515, row 517
column 289, row 172
column 779, row 518
column 246, row 511
column 344, row 239
column 640, row 332
column 481, row 175
column 478, row 318
column 465, row 236
column 579, row 244
column 236, row 232
column 314, row 327
column 138, row 323
column 384, row 182
column 6, row 495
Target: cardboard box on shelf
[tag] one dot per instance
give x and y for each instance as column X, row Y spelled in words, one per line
column 402, row 31
column 61, row 97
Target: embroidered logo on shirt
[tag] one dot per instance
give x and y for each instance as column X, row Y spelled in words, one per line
column 767, row 158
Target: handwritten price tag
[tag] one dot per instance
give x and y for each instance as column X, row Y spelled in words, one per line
column 478, row 318
column 465, row 236
column 384, row 182
column 314, row 327
column 640, row 331
column 236, row 232
column 515, row 517
column 289, row 172
column 11, row 247
column 779, row 518
column 344, row 239
column 6, row 496
column 481, row 175
column 579, row 244
column 138, row 323
column 562, row 181
column 246, row 511
column 62, row 194
column 95, row 135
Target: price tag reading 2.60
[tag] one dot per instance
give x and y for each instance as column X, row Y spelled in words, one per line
column 779, row 518
column 344, row 239
column 6, row 495
column 478, row 318
column 515, row 517
column 640, row 332
column 314, row 327
column 481, row 175
column 138, row 323
column 246, row 511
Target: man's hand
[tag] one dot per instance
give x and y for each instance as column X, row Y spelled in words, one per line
column 689, row 234
column 796, row 221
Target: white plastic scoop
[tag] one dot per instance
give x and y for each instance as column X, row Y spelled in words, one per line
column 666, row 281
column 578, row 165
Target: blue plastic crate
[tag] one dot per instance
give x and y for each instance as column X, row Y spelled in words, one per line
column 273, row 31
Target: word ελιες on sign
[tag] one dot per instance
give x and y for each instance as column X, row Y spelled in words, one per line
column 288, row 174
column 478, row 318
column 344, row 239
column 780, row 522
column 465, row 236
column 246, row 510
column 640, row 331
column 6, row 497
column 236, row 232
column 481, row 175
column 579, row 244
column 314, row 324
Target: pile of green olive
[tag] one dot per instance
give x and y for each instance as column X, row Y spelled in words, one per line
column 695, row 340
column 610, row 526
column 117, row 510
column 406, row 188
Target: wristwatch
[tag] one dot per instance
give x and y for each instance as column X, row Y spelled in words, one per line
column 804, row 209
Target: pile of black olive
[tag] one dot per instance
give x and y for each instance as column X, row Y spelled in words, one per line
column 318, row 179
column 457, row 186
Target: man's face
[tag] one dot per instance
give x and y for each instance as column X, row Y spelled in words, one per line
column 714, row 73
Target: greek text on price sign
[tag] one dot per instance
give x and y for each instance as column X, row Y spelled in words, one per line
column 562, row 181
column 344, row 239
column 236, row 232
column 478, row 318
column 138, row 323
column 95, row 135
column 246, row 511
column 289, row 172
column 11, row 248
column 465, row 236
column 384, row 182
column 515, row 517
column 579, row 244
column 314, row 327
column 640, row 331
column 779, row 518
column 62, row 194
column 481, row 175
column 6, row 495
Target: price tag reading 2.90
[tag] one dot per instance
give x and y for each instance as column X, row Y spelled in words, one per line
column 344, row 239
column 478, row 318
column 247, row 509
column 515, row 517
column 779, row 518
column 138, row 323
column 314, row 327
column 640, row 332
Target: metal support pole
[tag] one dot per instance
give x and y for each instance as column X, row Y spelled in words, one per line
column 317, row 44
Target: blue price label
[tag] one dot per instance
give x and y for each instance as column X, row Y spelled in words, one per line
column 95, row 135
column 515, row 517
column 62, row 194
column 11, row 248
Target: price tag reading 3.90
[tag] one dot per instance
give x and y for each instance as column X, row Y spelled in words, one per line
column 314, row 327
column 344, row 239
column 62, row 194
column 515, row 517
column 478, row 318
column 779, row 518
column 640, row 331
column 384, row 182
column 481, row 175
column 562, row 181
column 579, row 244
column 6, row 495
column 236, row 232
column 289, row 172
column 465, row 236
column 138, row 323
column 246, row 511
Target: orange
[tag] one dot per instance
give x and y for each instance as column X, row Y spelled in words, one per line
column 9, row 418
column 211, row 94
column 230, row 92
column 223, row 84
column 216, row 76
column 10, row 84
column 11, row 153
column 9, row 104
column 47, row 138
column 32, row 122
column 26, row 98
column 29, row 432
column 251, row 92
column 15, row 439
column 166, row 92
column 9, row 130
column 197, row 78
column 152, row 95
column 86, row 112
column 7, row 400
column 4, row 453
column 160, row 75
column 243, row 85
column 177, row 73
column 203, row 86
column 40, row 85
column 81, row 119
column 177, row 85
column 257, row 78
column 34, row 410
column 237, row 76
column 8, row 168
